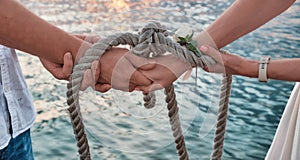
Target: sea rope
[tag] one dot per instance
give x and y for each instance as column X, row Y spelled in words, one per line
column 152, row 41
column 222, row 117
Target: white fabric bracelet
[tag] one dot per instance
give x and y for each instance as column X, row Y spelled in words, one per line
column 262, row 71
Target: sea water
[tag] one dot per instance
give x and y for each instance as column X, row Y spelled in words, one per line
column 118, row 126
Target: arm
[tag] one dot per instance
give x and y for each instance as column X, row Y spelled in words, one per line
column 243, row 17
column 288, row 72
column 25, row 31
column 236, row 65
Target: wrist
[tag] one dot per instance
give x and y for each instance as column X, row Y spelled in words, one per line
column 204, row 38
column 250, row 68
column 81, row 51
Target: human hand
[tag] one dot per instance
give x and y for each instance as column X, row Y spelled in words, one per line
column 119, row 68
column 91, row 75
column 123, row 76
column 226, row 63
column 63, row 71
column 168, row 69
column 59, row 71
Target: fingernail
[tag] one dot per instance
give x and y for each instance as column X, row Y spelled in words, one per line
column 203, row 48
column 94, row 65
column 69, row 55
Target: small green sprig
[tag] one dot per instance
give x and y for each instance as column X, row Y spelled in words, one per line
column 188, row 43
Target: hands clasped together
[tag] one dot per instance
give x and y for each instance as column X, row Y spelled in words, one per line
column 118, row 68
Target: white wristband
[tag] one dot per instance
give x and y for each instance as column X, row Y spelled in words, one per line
column 262, row 71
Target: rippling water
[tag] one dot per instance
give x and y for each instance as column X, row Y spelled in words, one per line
column 120, row 128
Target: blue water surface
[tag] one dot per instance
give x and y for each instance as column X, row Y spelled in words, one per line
column 119, row 128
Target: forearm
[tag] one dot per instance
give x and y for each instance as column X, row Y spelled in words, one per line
column 277, row 69
column 25, row 31
column 243, row 17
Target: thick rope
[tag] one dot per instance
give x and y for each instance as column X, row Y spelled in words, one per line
column 175, row 122
column 222, row 117
column 150, row 42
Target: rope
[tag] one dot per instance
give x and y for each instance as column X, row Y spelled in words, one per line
column 175, row 122
column 152, row 41
column 222, row 117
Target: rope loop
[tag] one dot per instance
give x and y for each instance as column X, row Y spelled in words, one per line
column 152, row 41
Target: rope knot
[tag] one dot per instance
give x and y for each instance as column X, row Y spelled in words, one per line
column 151, row 37
column 150, row 42
column 156, row 27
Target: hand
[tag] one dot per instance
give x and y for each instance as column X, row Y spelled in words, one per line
column 226, row 63
column 168, row 69
column 119, row 68
column 107, row 66
column 88, row 38
column 91, row 75
column 61, row 72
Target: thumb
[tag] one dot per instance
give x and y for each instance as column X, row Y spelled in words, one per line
column 212, row 52
column 87, row 80
column 68, row 65
column 140, row 62
column 147, row 89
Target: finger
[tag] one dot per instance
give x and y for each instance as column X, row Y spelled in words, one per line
column 92, row 38
column 95, row 38
column 102, row 87
column 131, row 87
column 147, row 89
column 68, row 64
column 81, row 36
column 87, row 80
column 140, row 62
column 95, row 68
column 88, row 38
column 210, row 51
column 217, row 69
column 148, row 66
column 187, row 74
column 139, row 79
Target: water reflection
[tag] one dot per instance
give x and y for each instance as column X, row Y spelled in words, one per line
column 254, row 108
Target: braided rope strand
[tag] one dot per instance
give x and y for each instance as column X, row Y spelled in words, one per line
column 73, row 97
column 222, row 117
column 175, row 123
column 150, row 42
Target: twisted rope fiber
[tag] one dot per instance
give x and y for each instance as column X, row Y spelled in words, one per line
column 152, row 41
column 222, row 117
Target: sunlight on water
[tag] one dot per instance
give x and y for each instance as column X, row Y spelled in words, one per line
column 117, row 124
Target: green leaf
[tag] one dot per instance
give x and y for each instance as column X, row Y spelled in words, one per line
column 190, row 47
column 181, row 38
column 198, row 52
column 189, row 37
column 193, row 47
column 182, row 41
column 189, row 43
